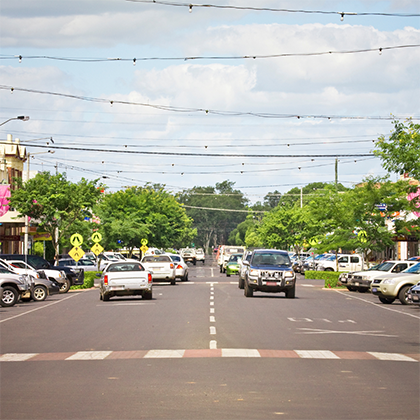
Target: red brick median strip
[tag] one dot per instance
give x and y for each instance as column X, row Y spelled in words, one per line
column 212, row 353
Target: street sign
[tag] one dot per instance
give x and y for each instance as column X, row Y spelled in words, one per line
column 144, row 242
column 313, row 241
column 96, row 237
column 362, row 236
column 76, row 253
column 144, row 248
column 97, row 249
column 76, row 239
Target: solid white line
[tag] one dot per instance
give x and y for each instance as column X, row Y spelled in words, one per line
column 392, row 356
column 316, row 354
column 240, row 353
column 127, row 304
column 40, row 307
column 383, row 306
column 16, row 357
column 89, row 355
column 157, row 354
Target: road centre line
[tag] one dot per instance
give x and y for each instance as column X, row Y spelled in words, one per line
column 40, row 307
column 376, row 305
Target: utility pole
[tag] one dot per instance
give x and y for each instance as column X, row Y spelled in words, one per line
column 336, row 172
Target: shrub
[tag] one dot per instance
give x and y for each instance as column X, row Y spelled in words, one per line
column 89, row 280
column 330, row 277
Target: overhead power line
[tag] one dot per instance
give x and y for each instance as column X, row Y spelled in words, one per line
column 190, row 7
column 187, row 58
column 204, row 110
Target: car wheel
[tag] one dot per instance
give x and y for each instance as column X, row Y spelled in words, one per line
column 40, row 293
column 227, row 275
column 173, row 281
column 385, row 300
column 362, row 290
column 351, row 288
column 221, row 268
column 148, row 295
column 194, row 262
column 105, row 297
column 248, row 292
column 65, row 287
column 9, row 296
column 241, row 283
column 290, row 294
column 403, row 295
column 329, row 269
column 100, row 295
column 185, row 278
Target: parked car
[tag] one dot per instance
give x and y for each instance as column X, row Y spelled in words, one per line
column 125, row 278
column 13, row 287
column 84, row 263
column 189, row 255
column 200, row 255
column 361, row 280
column 346, row 262
column 233, row 265
column 392, row 286
column 161, row 266
column 269, row 270
column 181, row 267
column 42, row 287
column 413, row 294
column 72, row 276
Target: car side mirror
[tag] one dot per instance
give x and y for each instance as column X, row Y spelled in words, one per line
column 245, row 262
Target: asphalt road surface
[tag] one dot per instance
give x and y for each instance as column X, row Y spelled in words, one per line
column 202, row 350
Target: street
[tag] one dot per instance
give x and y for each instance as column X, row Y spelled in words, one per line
column 201, row 350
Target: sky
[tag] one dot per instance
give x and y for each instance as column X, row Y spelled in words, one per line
column 136, row 92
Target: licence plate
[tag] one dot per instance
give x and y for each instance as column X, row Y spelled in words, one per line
column 357, row 283
column 117, row 288
column 374, row 289
column 271, row 283
column 415, row 297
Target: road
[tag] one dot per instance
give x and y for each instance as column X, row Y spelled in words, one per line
column 201, row 350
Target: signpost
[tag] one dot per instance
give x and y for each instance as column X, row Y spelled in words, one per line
column 76, row 252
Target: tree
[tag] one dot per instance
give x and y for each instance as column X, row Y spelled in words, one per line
column 401, row 152
column 55, row 204
column 137, row 213
column 214, row 226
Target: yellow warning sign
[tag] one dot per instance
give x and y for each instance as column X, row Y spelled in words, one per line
column 97, row 249
column 76, row 253
column 76, row 240
column 96, row 237
column 144, row 248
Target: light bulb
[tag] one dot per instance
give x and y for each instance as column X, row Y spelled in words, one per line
column 342, row 17
column 134, row 61
column 190, row 8
column 380, row 51
column 20, row 59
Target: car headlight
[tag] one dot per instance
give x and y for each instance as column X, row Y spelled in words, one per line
column 21, row 280
column 288, row 274
column 254, row 273
column 365, row 277
column 388, row 281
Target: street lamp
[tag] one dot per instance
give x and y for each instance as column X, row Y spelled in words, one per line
column 26, row 237
column 20, row 117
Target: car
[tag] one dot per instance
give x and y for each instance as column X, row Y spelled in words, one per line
column 413, row 294
column 13, row 287
column 161, row 266
column 346, row 262
column 125, row 278
column 361, row 280
column 200, row 255
column 389, row 287
column 225, row 253
column 84, row 263
column 414, row 258
column 189, row 255
column 42, row 287
column 181, row 267
column 233, row 265
column 269, row 270
column 71, row 276
column 242, row 268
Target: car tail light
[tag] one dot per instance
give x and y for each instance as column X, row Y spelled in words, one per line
column 179, row 267
column 149, row 278
column 172, row 265
column 106, row 279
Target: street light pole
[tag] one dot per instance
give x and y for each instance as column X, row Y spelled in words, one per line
column 20, row 117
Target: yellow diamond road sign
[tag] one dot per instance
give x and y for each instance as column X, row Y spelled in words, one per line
column 97, row 249
column 76, row 240
column 76, row 253
column 144, row 248
column 96, row 237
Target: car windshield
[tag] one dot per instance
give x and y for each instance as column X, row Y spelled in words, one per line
column 270, row 258
column 235, row 258
column 125, row 267
column 385, row 266
column 176, row 258
column 415, row 269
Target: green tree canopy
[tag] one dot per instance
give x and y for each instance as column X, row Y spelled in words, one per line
column 55, row 204
column 150, row 212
